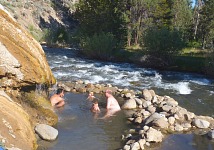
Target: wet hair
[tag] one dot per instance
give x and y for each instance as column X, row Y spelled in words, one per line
column 59, row 91
column 96, row 102
column 109, row 91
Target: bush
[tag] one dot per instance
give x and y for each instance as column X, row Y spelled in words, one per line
column 209, row 66
column 99, row 46
column 162, row 42
column 57, row 36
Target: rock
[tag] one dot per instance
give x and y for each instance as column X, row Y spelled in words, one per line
column 186, row 125
column 166, row 108
column 211, row 134
column 152, row 92
column 46, row 132
column 153, row 135
column 155, row 99
column 142, row 142
column 141, row 132
column 128, row 95
column 128, row 136
column 126, row 147
column 151, row 109
column 145, row 113
column 153, row 117
column 147, row 144
column 181, row 114
column 13, row 148
column 130, row 119
column 178, row 128
column 147, row 104
column 65, row 87
column 171, row 120
column 129, row 104
column 138, row 120
column 147, row 95
column 129, row 142
column 202, row 124
column 16, row 127
column 138, row 101
column 146, row 128
column 135, row 146
column 171, row 102
column 161, row 122
column 23, row 61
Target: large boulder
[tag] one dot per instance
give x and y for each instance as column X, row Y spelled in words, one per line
column 15, row 126
column 46, row 132
column 22, row 59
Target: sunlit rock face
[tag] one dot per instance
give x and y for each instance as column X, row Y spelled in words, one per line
column 15, row 127
column 22, row 59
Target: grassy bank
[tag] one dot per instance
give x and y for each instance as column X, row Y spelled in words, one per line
column 188, row 60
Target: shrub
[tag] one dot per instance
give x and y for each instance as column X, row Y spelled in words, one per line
column 162, row 42
column 57, row 36
column 209, row 66
column 99, row 46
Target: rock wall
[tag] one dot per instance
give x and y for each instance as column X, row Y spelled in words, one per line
column 15, row 127
column 22, row 65
column 22, row 59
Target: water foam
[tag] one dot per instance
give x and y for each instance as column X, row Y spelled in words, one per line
column 182, row 88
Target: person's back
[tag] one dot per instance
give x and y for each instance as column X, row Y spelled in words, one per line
column 112, row 103
column 57, row 100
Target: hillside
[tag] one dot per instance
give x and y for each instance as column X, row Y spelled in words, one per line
column 40, row 16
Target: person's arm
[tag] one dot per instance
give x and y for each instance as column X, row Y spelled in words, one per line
column 108, row 103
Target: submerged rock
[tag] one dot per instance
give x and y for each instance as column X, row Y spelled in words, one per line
column 202, row 124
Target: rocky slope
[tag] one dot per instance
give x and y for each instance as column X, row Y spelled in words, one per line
column 37, row 16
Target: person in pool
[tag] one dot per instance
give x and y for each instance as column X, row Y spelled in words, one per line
column 112, row 104
column 95, row 107
column 57, row 99
column 91, row 96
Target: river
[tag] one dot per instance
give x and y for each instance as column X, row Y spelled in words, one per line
column 78, row 129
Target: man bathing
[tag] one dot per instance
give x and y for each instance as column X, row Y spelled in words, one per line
column 56, row 99
column 112, row 104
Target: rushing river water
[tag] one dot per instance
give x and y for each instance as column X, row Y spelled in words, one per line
column 79, row 130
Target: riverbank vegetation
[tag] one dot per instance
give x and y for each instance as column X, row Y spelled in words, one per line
column 167, row 33
column 163, row 34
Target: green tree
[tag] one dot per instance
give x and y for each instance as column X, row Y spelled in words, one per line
column 96, row 16
column 182, row 17
column 162, row 43
column 99, row 46
column 145, row 14
column 206, row 25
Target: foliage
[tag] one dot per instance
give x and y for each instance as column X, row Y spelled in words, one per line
column 99, row 46
column 58, row 36
column 210, row 63
column 141, row 15
column 162, row 42
column 182, row 17
column 96, row 16
column 206, row 25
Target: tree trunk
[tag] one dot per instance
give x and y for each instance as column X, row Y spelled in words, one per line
column 199, row 5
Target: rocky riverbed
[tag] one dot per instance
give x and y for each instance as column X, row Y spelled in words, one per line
column 155, row 116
